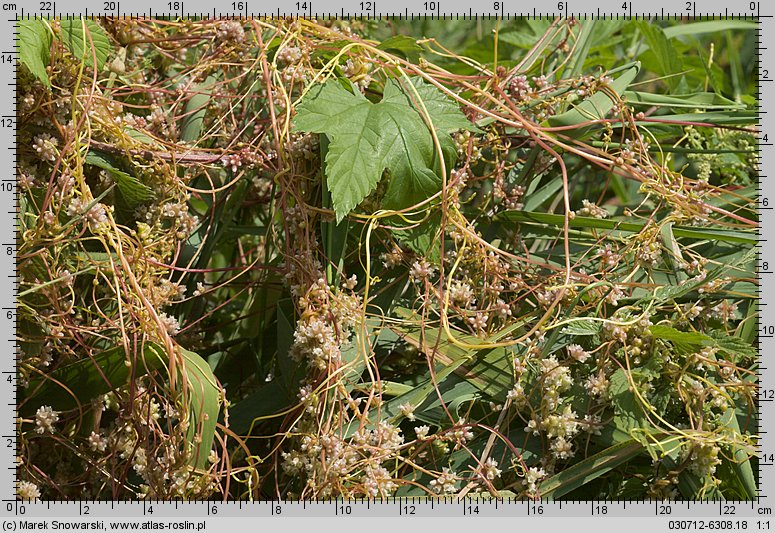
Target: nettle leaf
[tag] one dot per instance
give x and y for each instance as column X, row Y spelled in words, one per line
column 35, row 48
column 133, row 190
column 367, row 138
column 629, row 414
column 583, row 327
column 87, row 41
column 721, row 340
column 733, row 345
column 668, row 60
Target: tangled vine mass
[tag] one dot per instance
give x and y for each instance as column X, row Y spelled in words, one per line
column 305, row 258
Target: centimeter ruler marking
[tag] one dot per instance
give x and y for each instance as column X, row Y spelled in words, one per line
column 412, row 506
column 731, row 512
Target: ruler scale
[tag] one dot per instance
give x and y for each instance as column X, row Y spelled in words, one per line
column 196, row 515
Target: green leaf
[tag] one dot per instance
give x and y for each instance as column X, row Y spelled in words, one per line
column 133, row 190
column 673, row 335
column 423, row 237
column 668, row 292
column 733, row 345
column 589, row 469
column 598, row 105
column 741, row 462
column 711, row 234
column 582, row 45
column 668, row 60
column 367, row 138
column 205, row 404
column 270, row 399
column 444, row 112
column 403, row 45
column 290, row 372
column 583, row 327
column 711, row 26
column 74, row 386
column 35, row 47
column 721, row 340
column 86, row 40
column 702, row 100
column 711, row 118
column 195, row 110
column 629, row 414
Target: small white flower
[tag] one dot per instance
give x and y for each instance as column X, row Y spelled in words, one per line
column 97, row 442
column 170, row 323
column 28, row 491
column 490, row 469
column 578, row 353
column 445, row 483
column 407, row 410
column 46, row 147
column 532, row 476
column 422, row 432
column 45, row 418
column 421, row 270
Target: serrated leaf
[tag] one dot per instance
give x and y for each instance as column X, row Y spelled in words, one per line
column 718, row 339
column 367, row 139
column 583, row 327
column 673, row 335
column 35, row 47
column 668, row 60
column 732, row 344
column 629, row 413
column 133, row 190
column 444, row 112
column 86, row 40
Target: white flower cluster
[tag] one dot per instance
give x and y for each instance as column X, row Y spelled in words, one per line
column 170, row 323
column 445, row 482
column 489, row 470
column 327, row 461
column 578, row 353
column 230, row 31
column 703, row 459
column 519, row 88
column 96, row 215
column 556, row 379
column 532, row 477
column 28, row 490
column 608, row 257
column 316, row 338
column 590, row 209
column 421, row 270
column 45, row 418
column 289, row 55
column 392, row 258
column 461, row 294
column 45, row 146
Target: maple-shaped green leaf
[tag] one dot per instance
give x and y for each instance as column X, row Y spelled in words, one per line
column 367, row 138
